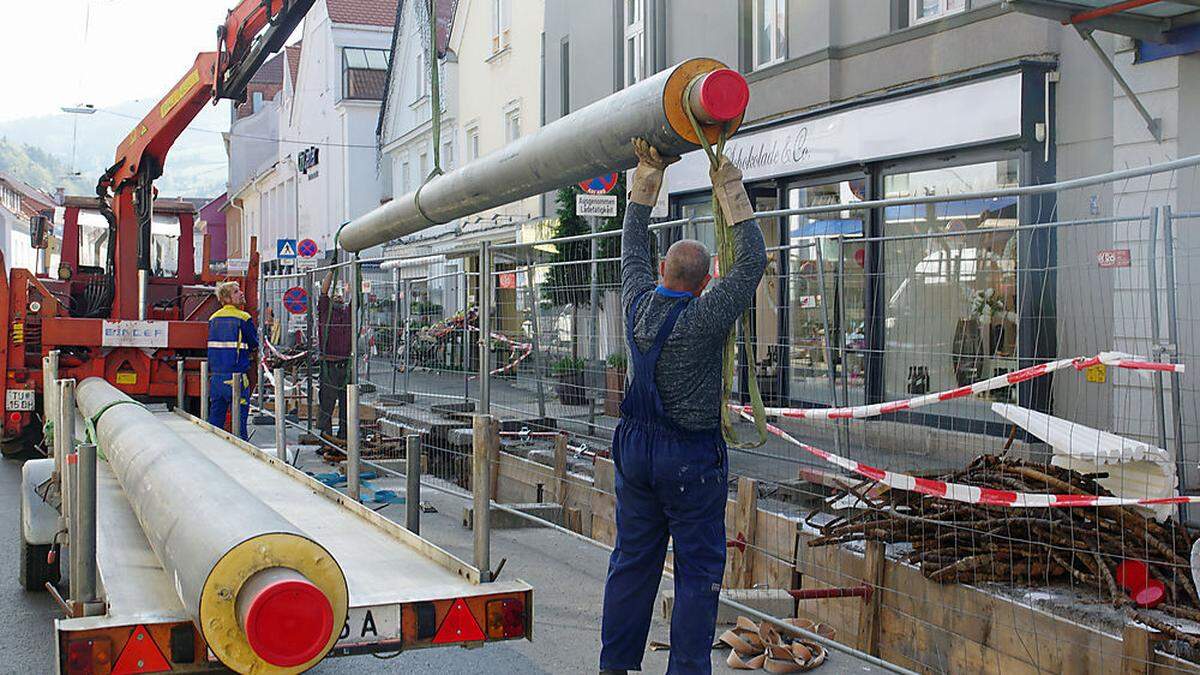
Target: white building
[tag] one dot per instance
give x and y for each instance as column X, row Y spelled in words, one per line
column 324, row 171
column 19, row 202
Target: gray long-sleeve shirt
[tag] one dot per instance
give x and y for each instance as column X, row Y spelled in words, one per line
column 688, row 374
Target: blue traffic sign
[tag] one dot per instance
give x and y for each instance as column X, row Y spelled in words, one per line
column 285, row 249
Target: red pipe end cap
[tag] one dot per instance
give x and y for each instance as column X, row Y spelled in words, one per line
column 289, row 623
column 724, row 94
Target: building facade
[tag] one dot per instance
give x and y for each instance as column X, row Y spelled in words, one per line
column 854, row 101
column 18, row 203
column 323, row 170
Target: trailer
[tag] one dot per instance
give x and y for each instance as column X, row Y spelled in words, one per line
column 401, row 592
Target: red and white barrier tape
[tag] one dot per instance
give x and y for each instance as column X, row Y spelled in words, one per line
column 1114, row 359
column 969, row 494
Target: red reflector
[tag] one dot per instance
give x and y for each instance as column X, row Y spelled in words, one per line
column 14, row 417
column 141, row 655
column 86, row 657
column 506, row 619
column 458, row 626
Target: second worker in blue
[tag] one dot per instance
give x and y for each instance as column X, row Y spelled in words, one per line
column 232, row 350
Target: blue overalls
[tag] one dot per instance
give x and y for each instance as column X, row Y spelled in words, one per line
column 232, row 337
column 669, row 481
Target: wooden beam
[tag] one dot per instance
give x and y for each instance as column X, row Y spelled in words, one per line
column 745, row 520
column 1137, row 654
column 560, row 468
column 868, row 614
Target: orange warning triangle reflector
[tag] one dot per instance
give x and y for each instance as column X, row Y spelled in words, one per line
column 140, row 655
column 458, row 626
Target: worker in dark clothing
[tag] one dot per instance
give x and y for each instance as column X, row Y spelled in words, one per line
column 671, row 460
column 333, row 317
column 232, row 347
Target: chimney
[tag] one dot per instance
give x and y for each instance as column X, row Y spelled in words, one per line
column 60, row 196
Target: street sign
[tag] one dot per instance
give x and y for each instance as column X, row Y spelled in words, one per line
column 508, row 280
column 285, row 249
column 1114, row 257
column 600, row 185
column 604, row 206
column 295, row 300
column 307, row 248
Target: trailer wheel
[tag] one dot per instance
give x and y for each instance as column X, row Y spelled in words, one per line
column 24, row 446
column 34, row 570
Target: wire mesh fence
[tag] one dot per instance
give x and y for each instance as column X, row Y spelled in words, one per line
column 965, row 346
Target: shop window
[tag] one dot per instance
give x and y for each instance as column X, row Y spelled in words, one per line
column 929, row 10
column 827, row 295
column 364, row 73
column 950, row 284
column 501, row 24
column 770, row 32
column 635, row 41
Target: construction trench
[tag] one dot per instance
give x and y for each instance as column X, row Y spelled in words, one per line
column 1002, row 562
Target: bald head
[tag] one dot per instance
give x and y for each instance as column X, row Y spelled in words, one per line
column 686, row 266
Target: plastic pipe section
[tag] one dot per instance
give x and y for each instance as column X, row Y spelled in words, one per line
column 239, row 567
column 589, row 142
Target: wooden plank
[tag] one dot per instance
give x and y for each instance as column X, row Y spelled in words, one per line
column 604, row 476
column 573, row 520
column 1136, row 652
column 560, row 468
column 868, row 615
column 745, row 521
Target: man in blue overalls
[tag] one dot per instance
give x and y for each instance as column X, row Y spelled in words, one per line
column 671, row 460
column 232, row 347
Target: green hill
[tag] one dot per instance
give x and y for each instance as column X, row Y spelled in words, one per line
column 40, row 169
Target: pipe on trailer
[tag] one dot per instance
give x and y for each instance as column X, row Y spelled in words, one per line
column 266, row 598
column 589, row 142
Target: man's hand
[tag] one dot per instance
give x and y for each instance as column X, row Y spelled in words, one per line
column 649, row 175
column 730, row 192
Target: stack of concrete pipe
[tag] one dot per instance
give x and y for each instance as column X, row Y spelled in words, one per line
column 267, row 598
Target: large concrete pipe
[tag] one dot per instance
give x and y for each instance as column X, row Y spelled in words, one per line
column 266, row 597
column 584, row 144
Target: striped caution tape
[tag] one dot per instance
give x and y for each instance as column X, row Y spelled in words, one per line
column 1113, row 359
column 969, row 494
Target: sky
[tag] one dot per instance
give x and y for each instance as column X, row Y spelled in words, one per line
column 66, row 52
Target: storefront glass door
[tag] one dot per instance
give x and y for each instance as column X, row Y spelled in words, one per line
column 826, row 295
column 950, row 285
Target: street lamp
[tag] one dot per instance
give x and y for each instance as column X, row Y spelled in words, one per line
column 81, row 109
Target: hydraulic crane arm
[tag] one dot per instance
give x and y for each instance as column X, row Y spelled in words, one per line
column 252, row 32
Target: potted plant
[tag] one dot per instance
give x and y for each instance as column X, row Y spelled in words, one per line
column 614, row 384
column 571, row 388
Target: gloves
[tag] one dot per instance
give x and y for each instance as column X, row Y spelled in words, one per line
column 649, row 175
column 730, row 193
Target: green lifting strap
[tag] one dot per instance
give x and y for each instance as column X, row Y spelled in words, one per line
column 90, row 423
column 726, row 255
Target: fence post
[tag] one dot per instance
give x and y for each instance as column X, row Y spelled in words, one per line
column 485, row 436
column 235, row 406
column 538, row 369
column 412, row 482
column 1188, row 468
column 262, row 336
column 313, row 333
column 594, row 320
column 1156, row 347
column 50, row 400
column 355, row 306
column 352, row 450
column 395, row 344
column 837, row 434
column 204, row 390
column 560, row 469
column 280, row 412
column 485, row 327
column 64, row 436
column 407, row 341
column 180, row 385
column 83, row 557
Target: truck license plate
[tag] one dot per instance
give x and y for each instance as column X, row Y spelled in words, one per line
column 20, row 400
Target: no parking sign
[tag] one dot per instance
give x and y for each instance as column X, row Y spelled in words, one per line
column 295, row 300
